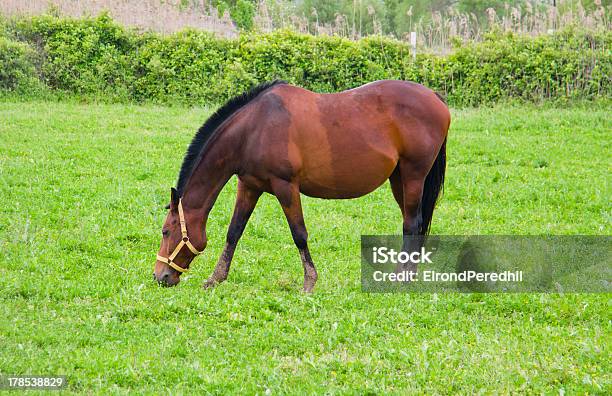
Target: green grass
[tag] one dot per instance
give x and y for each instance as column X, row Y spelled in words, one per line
column 83, row 188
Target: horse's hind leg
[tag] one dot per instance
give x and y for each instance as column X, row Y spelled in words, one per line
column 246, row 199
column 288, row 195
column 396, row 187
column 407, row 187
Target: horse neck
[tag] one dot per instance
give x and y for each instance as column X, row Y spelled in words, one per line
column 216, row 167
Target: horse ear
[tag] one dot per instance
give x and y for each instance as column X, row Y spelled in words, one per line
column 174, row 199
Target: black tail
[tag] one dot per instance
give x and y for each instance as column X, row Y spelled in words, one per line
column 434, row 184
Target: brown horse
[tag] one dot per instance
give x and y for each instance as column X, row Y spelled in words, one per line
column 286, row 140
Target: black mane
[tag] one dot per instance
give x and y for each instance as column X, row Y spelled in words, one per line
column 206, row 131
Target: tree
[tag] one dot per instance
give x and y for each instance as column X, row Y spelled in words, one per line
column 242, row 12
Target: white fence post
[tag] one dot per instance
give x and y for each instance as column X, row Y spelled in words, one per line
column 413, row 38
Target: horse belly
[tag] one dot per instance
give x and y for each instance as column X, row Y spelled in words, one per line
column 350, row 175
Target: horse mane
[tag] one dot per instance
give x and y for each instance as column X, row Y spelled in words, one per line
column 197, row 146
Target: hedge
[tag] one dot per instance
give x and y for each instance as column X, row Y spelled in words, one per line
column 97, row 57
column 17, row 66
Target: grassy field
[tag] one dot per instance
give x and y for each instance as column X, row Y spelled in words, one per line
column 83, row 189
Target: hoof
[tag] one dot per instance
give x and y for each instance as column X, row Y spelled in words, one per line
column 210, row 284
column 409, row 271
column 308, row 287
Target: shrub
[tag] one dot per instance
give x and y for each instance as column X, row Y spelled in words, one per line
column 185, row 67
column 98, row 57
column 17, row 66
column 569, row 64
column 90, row 56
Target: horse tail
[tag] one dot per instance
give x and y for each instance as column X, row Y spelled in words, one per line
column 434, row 184
column 441, row 97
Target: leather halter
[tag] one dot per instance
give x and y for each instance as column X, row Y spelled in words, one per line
column 184, row 242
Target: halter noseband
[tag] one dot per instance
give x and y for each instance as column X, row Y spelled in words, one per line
column 183, row 242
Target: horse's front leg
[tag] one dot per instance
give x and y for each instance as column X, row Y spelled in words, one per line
column 246, row 199
column 288, row 195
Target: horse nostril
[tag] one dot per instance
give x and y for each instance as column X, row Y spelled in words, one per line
column 165, row 277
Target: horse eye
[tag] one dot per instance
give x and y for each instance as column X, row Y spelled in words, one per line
column 165, row 233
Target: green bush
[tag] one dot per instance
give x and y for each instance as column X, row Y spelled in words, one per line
column 185, row 67
column 89, row 56
column 17, row 67
column 97, row 57
column 243, row 13
column 569, row 65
